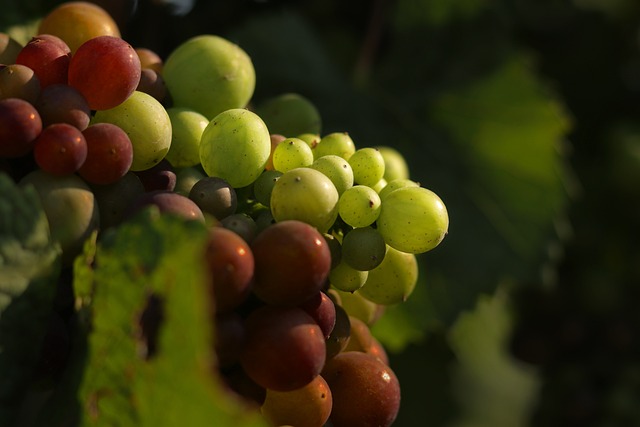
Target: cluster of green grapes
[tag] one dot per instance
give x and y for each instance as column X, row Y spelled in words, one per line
column 311, row 236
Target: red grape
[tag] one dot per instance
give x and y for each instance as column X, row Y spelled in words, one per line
column 48, row 56
column 20, row 125
column 323, row 311
column 60, row 149
column 61, row 103
column 109, row 154
column 106, row 70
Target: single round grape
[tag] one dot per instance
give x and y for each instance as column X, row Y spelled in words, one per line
column 186, row 178
column 187, row 127
column 336, row 143
column 337, row 169
column 284, row 348
column 413, row 219
column 292, row 263
column 363, row 248
column 359, row 206
column 170, row 203
column 149, row 59
column 160, row 176
column 263, row 186
column 312, row 139
column 20, row 125
column 152, row 83
column 395, row 184
column 394, row 280
column 105, row 70
column 148, row 125
column 308, row 406
column 306, row 195
column 109, row 154
column 346, row 278
column 395, row 165
column 75, row 22
column 368, row 166
column 365, row 391
column 60, row 149
column 241, row 224
column 215, row 196
column 290, row 154
column 61, row 103
column 323, row 310
column 290, row 114
column 340, row 334
column 19, row 81
column 48, row 57
column 209, row 74
column 9, row 49
column 378, row 186
column 115, row 199
column 235, row 146
column 231, row 263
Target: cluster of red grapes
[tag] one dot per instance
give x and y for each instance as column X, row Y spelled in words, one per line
column 309, row 237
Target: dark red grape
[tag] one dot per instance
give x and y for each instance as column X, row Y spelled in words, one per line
column 109, row 154
column 152, row 83
column 340, row 334
column 323, row 311
column 292, row 262
column 168, row 202
column 60, row 149
column 61, row 103
column 49, row 57
column 284, row 348
column 20, row 125
column 160, row 176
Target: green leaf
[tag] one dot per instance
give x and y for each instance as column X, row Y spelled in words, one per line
column 29, row 267
column 150, row 353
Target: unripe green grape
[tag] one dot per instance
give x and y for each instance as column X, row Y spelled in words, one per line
column 346, row 278
column 312, row 139
column 395, row 164
column 186, row 178
column 394, row 280
column 292, row 153
column 235, row 146
column 337, row 169
column 413, row 219
column 359, row 206
column 368, row 166
column 395, row 184
column 358, row 306
column 378, row 186
column 263, row 186
column 306, row 195
column 363, row 248
column 187, row 127
column 337, row 143
column 290, row 114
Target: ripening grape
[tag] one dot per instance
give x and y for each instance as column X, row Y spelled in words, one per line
column 152, row 83
column 368, row 166
column 49, row 57
column 149, row 59
column 337, row 169
column 394, row 280
column 363, row 248
column 169, row 203
column 306, row 195
column 235, row 146
column 307, row 406
column 336, row 143
column 215, row 196
column 413, row 219
column 359, row 206
column 19, row 81
column 160, row 176
column 292, row 153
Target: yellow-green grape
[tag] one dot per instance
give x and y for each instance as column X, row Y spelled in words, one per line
column 395, row 164
column 346, row 278
column 312, row 139
column 378, row 186
column 306, row 195
column 337, row 169
column 263, row 186
column 235, row 146
column 186, row 179
column 395, row 184
column 338, row 143
column 413, row 219
column 368, row 166
column 148, row 125
column 363, row 248
column 187, row 127
column 359, row 206
column 292, row 153
column 394, row 280
column 290, row 114
column 358, row 306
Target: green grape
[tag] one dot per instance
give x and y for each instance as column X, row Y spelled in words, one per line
column 337, row 169
column 368, row 166
column 148, row 125
column 292, row 153
column 395, row 184
column 306, row 195
column 263, row 186
column 359, row 307
column 395, row 164
column 363, row 248
column 337, row 143
column 378, row 186
column 290, row 114
column 312, row 139
column 394, row 280
column 359, row 206
column 235, row 146
column 413, row 219
column 186, row 130
column 346, row 278
column 186, row 178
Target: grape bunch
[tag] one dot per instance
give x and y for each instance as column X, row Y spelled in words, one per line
column 310, row 236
